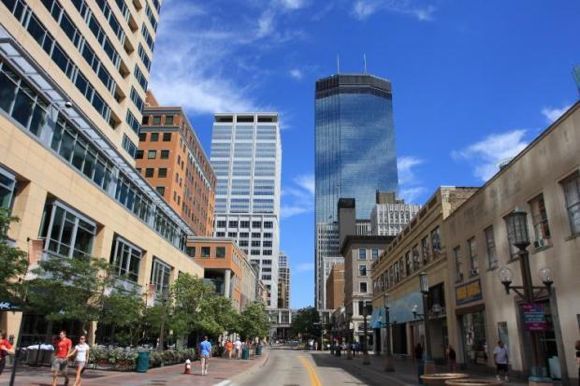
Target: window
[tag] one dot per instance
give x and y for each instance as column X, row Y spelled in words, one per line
column 362, row 270
column 164, row 154
column 267, row 252
column 190, row 251
column 256, row 224
column 156, row 119
column 66, row 232
column 160, row 274
column 162, row 172
column 436, row 241
column 220, row 234
column 267, row 262
column 166, row 137
column 205, row 251
column 363, row 287
column 232, row 234
column 139, row 154
column 416, row 258
column 514, row 251
column 149, row 172
column 268, row 224
column 472, row 249
column 267, row 244
column 160, row 190
column 267, row 235
column 220, row 252
column 490, row 246
column 540, row 221
column 375, row 254
column 151, row 154
column 142, row 136
column 221, row 224
column 458, row 263
column 572, row 193
column 266, row 277
column 244, row 235
column 243, row 243
column 244, row 224
column 126, row 259
column 362, row 254
column 154, row 137
column 7, row 185
column 425, row 249
column 255, row 252
column 256, row 235
column 256, row 243
column 233, row 224
column 169, row 120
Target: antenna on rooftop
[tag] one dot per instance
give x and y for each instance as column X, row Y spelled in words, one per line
column 365, row 62
column 338, row 64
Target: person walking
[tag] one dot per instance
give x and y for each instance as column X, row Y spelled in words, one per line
column 62, row 350
column 205, row 351
column 5, row 350
column 81, row 358
column 452, row 359
column 238, row 347
column 229, row 348
column 500, row 356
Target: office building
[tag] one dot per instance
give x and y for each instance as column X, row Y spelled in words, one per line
column 335, row 287
column 73, row 77
column 246, row 157
column 355, row 151
column 390, row 215
column 172, row 160
column 283, row 281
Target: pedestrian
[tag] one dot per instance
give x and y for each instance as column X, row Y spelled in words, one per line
column 451, row 359
column 500, row 356
column 238, row 348
column 81, row 358
column 229, row 348
column 418, row 352
column 5, row 350
column 205, row 351
column 62, row 350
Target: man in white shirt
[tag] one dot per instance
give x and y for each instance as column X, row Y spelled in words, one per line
column 500, row 356
column 238, row 348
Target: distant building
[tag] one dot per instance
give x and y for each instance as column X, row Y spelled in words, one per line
column 335, row 287
column 172, row 160
column 283, row 281
column 390, row 215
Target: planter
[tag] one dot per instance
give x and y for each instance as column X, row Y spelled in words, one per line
column 438, row 379
column 473, row 382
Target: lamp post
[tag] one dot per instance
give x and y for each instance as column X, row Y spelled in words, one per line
column 428, row 366
column 366, row 359
column 518, row 231
column 350, row 335
column 388, row 356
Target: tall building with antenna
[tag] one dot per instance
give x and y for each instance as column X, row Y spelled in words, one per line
column 355, row 153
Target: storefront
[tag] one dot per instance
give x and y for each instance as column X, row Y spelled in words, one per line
column 470, row 313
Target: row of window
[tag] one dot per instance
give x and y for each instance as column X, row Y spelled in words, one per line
column 205, row 252
column 362, row 254
column 152, row 154
column 112, row 20
column 129, row 146
column 137, row 100
column 39, row 32
column 245, row 235
column 144, row 57
column 244, row 224
column 132, row 122
column 154, row 137
column 151, row 17
column 147, row 36
column 150, row 172
column 156, row 120
column 141, row 79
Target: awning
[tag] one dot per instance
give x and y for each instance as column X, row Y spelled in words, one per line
column 377, row 318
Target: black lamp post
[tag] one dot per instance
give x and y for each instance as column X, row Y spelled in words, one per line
column 388, row 356
column 424, row 287
column 350, row 338
column 366, row 359
column 518, row 231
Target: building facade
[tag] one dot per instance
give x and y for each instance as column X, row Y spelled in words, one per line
column 353, row 129
column 172, row 160
column 335, row 287
column 227, row 267
column 246, row 155
column 283, row 281
column 421, row 247
column 71, row 92
column 390, row 215
column 543, row 180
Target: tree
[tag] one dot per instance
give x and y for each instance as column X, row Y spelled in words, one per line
column 13, row 261
column 306, row 322
column 254, row 321
column 123, row 311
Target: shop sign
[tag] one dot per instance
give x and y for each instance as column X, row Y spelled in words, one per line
column 534, row 317
column 468, row 292
column 7, row 306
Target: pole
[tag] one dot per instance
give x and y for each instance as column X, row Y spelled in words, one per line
column 18, row 343
column 426, row 326
column 366, row 360
column 388, row 356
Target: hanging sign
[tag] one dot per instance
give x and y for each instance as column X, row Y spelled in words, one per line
column 534, row 317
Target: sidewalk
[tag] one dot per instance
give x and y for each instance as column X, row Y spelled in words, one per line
column 405, row 370
column 220, row 370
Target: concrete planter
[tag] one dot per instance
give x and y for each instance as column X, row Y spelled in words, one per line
column 473, row 382
column 438, row 379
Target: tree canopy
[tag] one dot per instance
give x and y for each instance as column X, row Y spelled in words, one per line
column 306, row 323
column 13, row 261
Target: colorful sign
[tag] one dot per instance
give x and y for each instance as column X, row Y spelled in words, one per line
column 534, row 317
column 468, row 292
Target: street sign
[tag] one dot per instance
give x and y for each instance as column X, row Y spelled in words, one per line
column 534, row 317
column 7, row 306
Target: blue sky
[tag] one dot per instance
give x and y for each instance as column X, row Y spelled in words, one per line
column 474, row 81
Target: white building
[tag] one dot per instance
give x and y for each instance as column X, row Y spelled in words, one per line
column 391, row 218
column 246, row 155
column 327, row 254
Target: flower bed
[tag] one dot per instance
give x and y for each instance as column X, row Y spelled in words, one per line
column 125, row 359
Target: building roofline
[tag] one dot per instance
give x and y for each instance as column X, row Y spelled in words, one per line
column 350, row 239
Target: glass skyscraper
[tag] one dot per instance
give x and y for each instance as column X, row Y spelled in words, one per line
column 355, row 149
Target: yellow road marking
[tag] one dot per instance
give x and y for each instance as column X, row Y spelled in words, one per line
column 314, row 381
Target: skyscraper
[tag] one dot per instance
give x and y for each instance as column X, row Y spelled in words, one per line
column 283, row 281
column 355, row 150
column 246, row 155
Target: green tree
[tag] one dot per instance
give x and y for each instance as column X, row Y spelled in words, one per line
column 254, row 321
column 13, row 261
column 123, row 311
column 306, row 322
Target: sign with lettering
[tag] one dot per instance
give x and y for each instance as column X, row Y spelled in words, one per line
column 468, row 292
column 7, row 306
column 534, row 317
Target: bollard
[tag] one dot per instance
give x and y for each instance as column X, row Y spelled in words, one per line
column 187, row 369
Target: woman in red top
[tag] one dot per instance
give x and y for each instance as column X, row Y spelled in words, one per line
column 5, row 349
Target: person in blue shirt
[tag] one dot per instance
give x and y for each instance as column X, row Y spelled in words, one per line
column 205, row 352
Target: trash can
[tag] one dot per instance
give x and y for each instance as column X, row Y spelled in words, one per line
column 142, row 361
column 259, row 349
column 245, row 353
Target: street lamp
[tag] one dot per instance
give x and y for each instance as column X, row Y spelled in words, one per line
column 424, row 288
column 388, row 356
column 518, row 231
column 366, row 359
column 350, row 332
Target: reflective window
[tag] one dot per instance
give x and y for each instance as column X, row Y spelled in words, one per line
column 126, row 259
column 7, row 186
column 160, row 274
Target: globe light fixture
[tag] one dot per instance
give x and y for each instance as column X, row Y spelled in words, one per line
column 506, row 276
column 546, row 276
column 423, row 283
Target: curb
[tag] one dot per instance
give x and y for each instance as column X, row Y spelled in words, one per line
column 260, row 364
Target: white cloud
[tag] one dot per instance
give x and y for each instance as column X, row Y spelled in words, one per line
column 412, row 194
column 293, row 4
column 553, row 113
column 363, row 9
column 405, row 165
column 296, row 73
column 487, row 154
column 305, row 267
column 298, row 198
column 306, row 182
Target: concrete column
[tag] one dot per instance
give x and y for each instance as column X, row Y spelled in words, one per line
column 227, row 277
